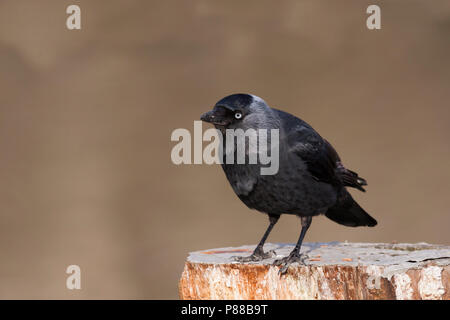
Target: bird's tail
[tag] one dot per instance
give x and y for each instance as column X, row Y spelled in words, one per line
column 348, row 213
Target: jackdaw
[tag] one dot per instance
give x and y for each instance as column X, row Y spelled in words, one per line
column 311, row 178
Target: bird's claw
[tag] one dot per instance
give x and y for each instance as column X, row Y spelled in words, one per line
column 258, row 255
column 290, row 259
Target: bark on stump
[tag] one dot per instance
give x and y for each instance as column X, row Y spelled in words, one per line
column 333, row 271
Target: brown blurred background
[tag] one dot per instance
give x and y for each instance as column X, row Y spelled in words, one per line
column 86, row 118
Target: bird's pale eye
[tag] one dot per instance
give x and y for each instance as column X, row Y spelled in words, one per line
column 238, row 115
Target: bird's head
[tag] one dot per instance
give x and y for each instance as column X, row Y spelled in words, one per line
column 239, row 111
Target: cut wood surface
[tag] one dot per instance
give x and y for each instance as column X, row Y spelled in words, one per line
column 333, row 270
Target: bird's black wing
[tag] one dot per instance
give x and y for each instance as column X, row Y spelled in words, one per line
column 319, row 156
column 348, row 177
column 322, row 160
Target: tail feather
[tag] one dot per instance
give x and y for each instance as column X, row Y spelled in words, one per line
column 347, row 212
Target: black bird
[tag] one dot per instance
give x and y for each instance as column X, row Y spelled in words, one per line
column 311, row 179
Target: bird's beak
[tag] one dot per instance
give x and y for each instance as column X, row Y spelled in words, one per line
column 208, row 116
column 214, row 118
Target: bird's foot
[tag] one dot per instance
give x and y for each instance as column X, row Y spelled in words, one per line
column 293, row 257
column 257, row 255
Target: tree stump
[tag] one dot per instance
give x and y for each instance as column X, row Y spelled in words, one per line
column 333, row 270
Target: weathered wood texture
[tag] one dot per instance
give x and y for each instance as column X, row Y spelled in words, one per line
column 333, row 271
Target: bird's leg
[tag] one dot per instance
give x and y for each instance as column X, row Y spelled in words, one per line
column 295, row 255
column 259, row 253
